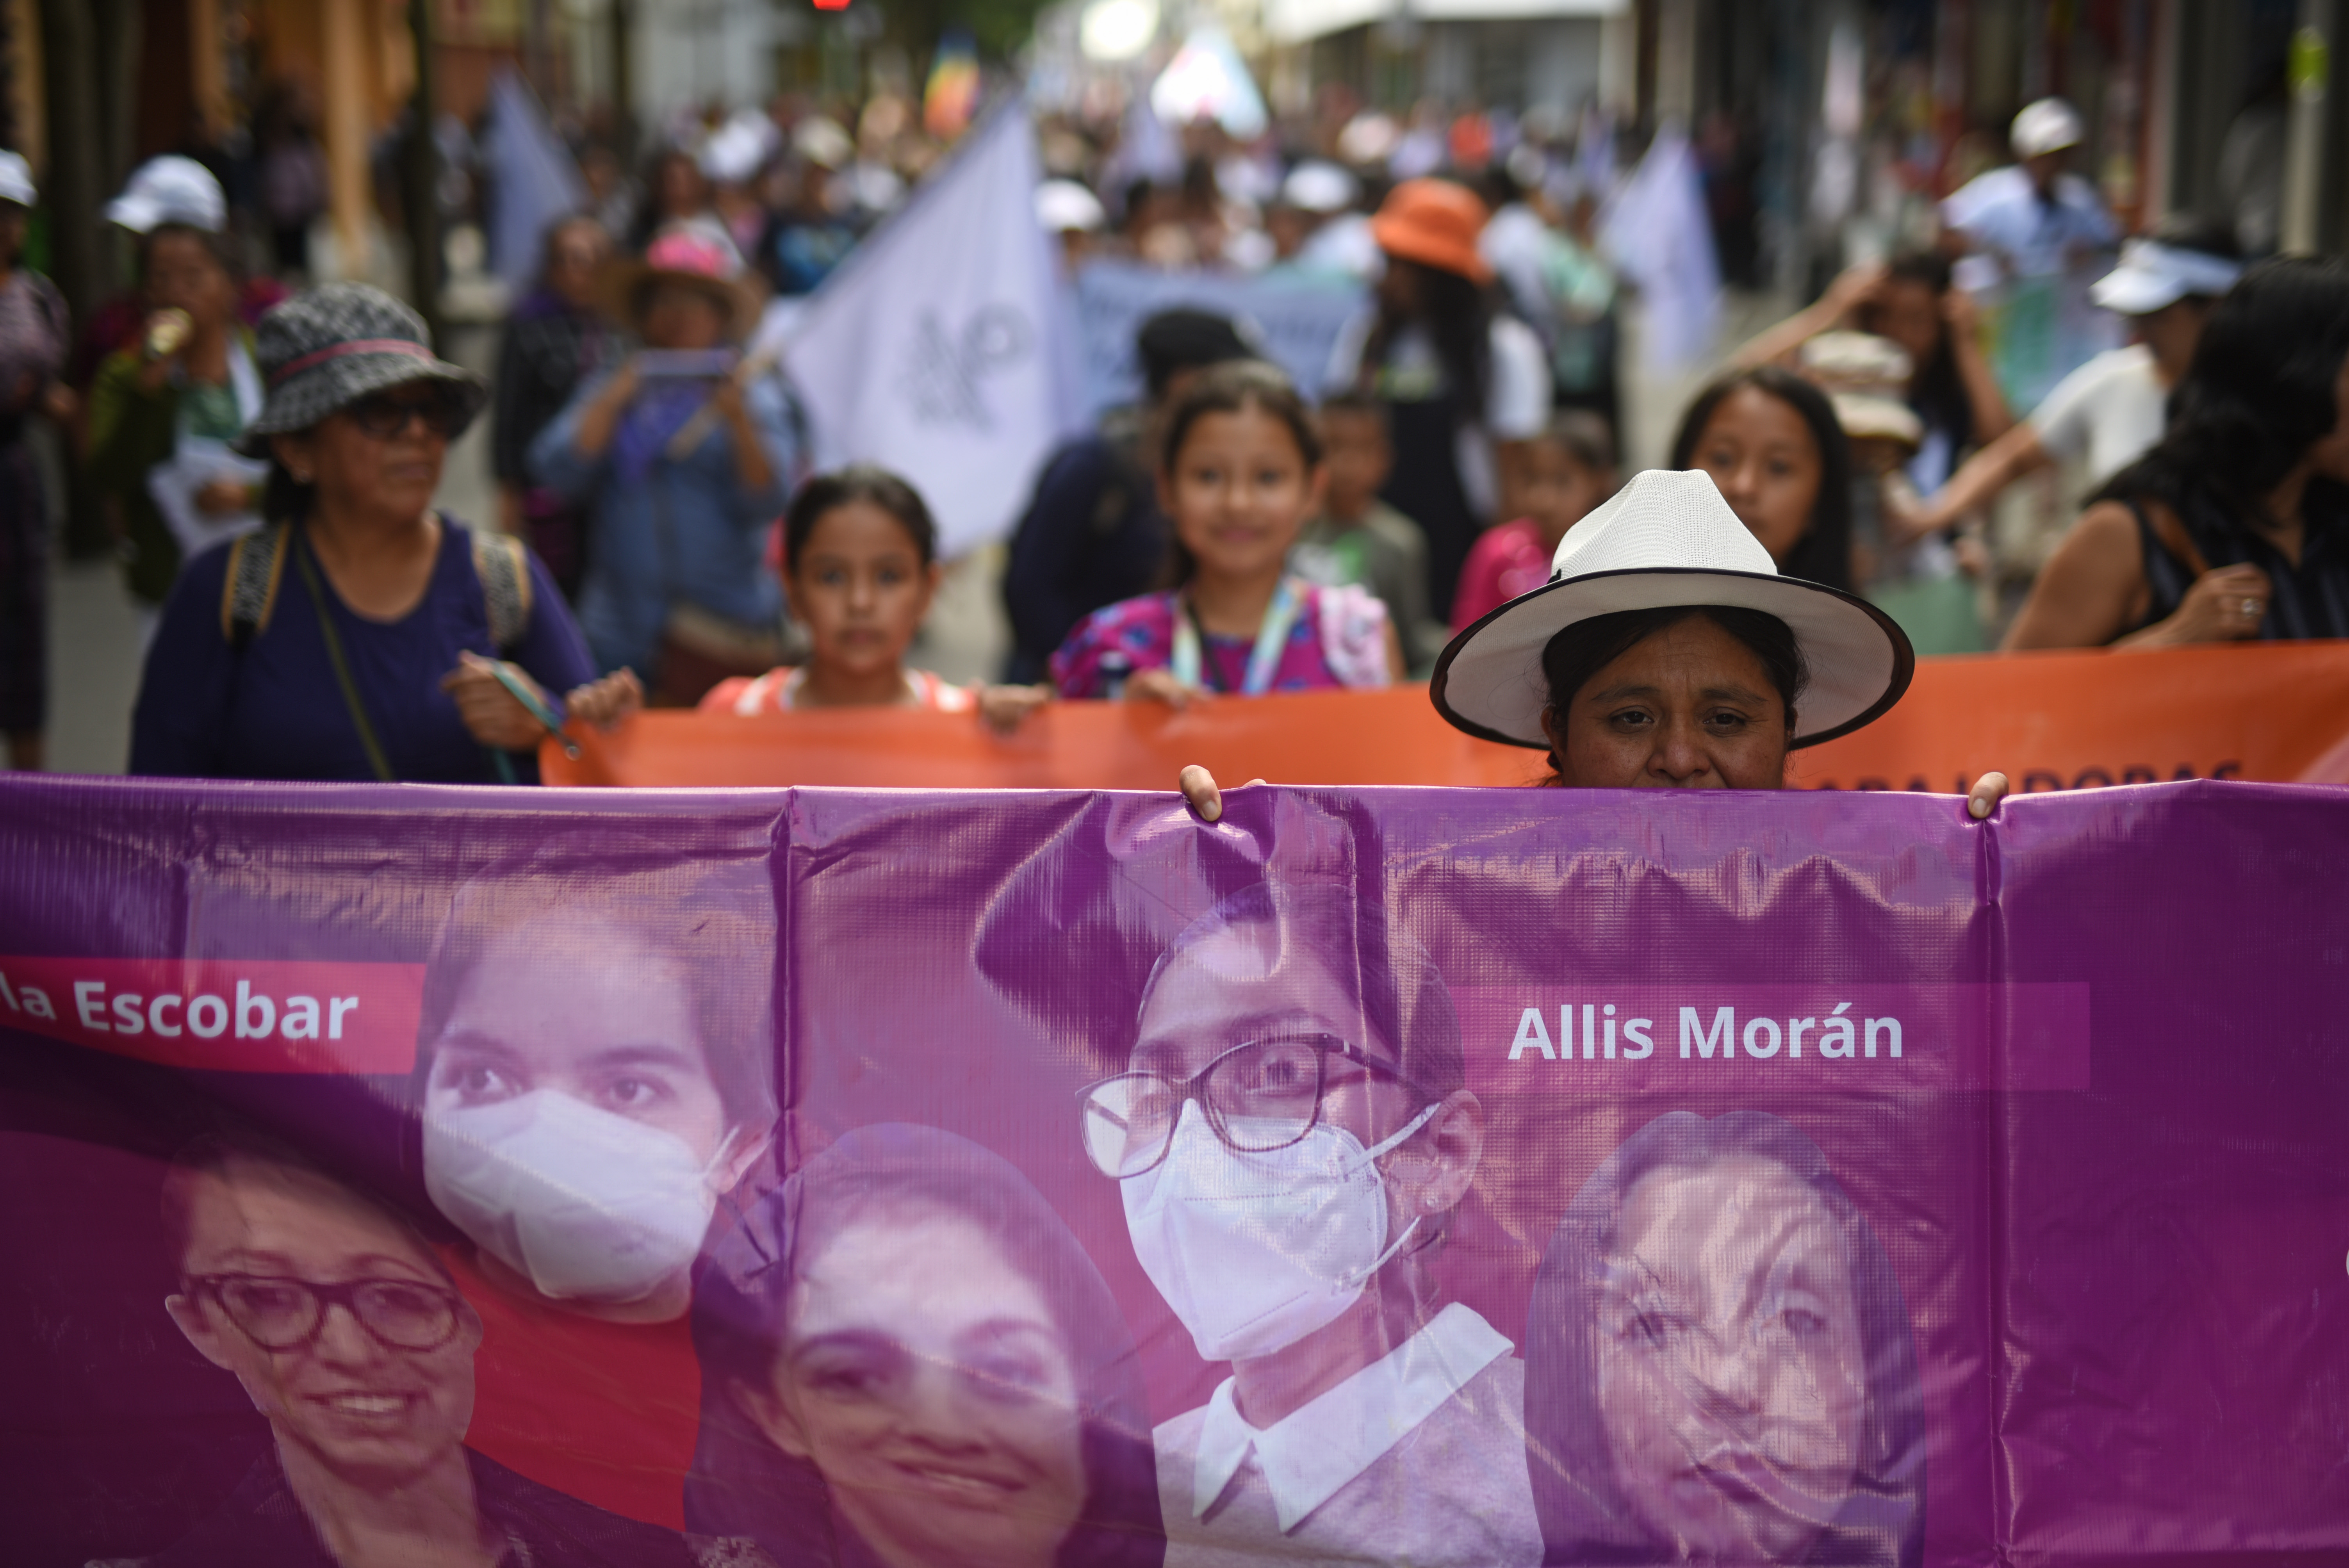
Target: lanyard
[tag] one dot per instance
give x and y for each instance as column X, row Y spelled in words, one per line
column 1264, row 659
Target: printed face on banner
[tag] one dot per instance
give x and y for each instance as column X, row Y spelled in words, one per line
column 591, row 1086
column 334, row 1315
column 904, row 1340
column 1722, row 1367
column 1729, row 1361
column 922, row 1373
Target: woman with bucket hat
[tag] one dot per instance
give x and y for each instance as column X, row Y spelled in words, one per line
column 1667, row 651
column 360, row 635
column 684, row 462
column 1465, row 387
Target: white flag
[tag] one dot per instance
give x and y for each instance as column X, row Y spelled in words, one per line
column 941, row 348
column 533, row 181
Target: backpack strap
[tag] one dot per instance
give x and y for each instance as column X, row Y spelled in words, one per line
column 256, row 563
column 502, row 563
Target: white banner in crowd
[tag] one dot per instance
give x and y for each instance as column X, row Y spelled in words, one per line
column 941, row 348
column 1296, row 320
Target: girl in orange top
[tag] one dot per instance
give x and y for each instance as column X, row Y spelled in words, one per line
column 860, row 570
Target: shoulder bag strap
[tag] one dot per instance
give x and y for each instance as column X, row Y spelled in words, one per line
column 502, row 564
column 342, row 668
column 256, row 562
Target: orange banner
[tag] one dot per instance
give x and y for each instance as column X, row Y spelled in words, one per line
column 2272, row 711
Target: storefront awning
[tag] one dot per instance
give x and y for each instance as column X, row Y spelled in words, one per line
column 1295, row 21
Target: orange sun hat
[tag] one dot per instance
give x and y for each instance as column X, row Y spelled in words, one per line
column 1434, row 223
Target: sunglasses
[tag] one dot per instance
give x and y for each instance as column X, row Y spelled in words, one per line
column 386, row 415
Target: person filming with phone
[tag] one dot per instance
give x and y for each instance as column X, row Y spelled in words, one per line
column 683, row 461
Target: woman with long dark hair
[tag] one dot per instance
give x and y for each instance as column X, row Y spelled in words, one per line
column 1772, row 443
column 1465, row 386
column 908, row 1361
column 1719, row 1366
column 2236, row 526
column 1910, row 301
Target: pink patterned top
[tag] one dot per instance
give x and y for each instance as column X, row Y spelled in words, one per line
column 1506, row 559
column 1339, row 640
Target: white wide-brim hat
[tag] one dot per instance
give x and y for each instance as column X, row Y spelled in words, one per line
column 1668, row 538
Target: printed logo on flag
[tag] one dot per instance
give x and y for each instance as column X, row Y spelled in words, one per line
column 945, row 370
column 226, row 1014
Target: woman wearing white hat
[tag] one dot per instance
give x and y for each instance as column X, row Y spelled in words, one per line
column 2109, row 411
column 1666, row 652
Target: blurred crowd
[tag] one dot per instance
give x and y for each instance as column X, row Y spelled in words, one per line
column 264, row 460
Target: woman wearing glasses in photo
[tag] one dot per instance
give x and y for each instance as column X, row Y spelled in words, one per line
column 360, row 635
column 1292, row 1141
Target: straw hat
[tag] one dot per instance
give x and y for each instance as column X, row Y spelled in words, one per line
column 1866, row 379
column 696, row 253
column 329, row 347
column 1668, row 538
column 1434, row 223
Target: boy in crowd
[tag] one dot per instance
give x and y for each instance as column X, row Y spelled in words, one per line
column 1360, row 539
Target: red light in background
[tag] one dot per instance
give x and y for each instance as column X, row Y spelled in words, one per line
column 832, row 4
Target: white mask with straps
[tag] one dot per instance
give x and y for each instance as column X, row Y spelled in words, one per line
column 1254, row 1251
column 584, row 1203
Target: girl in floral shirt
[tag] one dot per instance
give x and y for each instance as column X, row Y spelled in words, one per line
column 1241, row 475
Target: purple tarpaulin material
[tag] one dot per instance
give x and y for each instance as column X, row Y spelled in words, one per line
column 1519, row 1175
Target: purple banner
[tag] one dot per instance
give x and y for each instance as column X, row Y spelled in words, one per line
column 1400, row 1176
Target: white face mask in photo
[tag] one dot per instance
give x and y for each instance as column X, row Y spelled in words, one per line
column 584, row 1203
column 1254, row 1251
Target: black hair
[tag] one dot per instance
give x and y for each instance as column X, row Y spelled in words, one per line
column 865, row 482
column 1354, row 401
column 1577, row 653
column 284, row 498
column 1231, row 387
column 1936, row 391
column 2259, row 394
column 1584, row 435
column 1824, row 553
column 2204, row 236
column 214, row 1153
column 1457, row 312
column 1174, row 341
column 220, row 247
column 2256, row 397
column 552, row 235
column 694, row 922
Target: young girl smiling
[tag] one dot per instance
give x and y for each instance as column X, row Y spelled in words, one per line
column 860, row 570
column 1240, row 475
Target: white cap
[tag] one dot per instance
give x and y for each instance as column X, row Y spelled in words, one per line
column 737, row 149
column 1318, row 185
column 823, row 143
column 2153, row 276
column 16, row 179
column 1063, row 205
column 2048, row 126
column 1369, row 140
column 1665, row 539
column 171, row 189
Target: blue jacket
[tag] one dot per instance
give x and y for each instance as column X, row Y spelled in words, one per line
column 683, row 530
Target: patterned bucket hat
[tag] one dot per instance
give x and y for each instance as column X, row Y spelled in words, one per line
column 329, row 347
